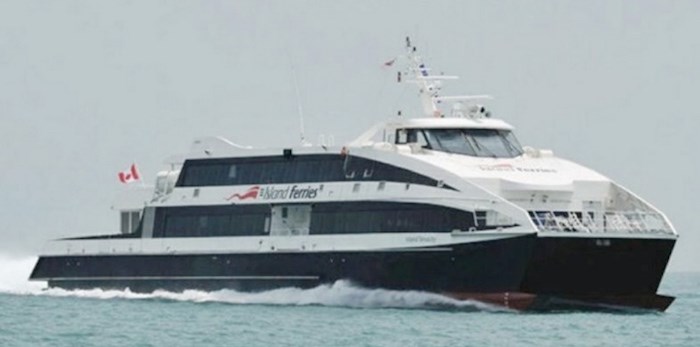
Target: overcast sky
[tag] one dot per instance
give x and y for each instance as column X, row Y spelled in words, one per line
column 87, row 87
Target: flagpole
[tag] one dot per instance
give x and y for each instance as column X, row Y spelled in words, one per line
column 133, row 162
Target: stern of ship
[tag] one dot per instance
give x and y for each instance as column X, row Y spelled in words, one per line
column 599, row 271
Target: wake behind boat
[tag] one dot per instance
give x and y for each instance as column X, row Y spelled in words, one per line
column 450, row 204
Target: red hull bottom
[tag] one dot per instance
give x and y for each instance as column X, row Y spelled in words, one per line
column 532, row 302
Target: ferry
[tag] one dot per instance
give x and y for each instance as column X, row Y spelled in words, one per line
column 449, row 203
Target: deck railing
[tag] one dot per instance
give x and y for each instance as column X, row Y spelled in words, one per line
column 609, row 221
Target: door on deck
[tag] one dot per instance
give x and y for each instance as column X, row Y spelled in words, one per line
column 290, row 220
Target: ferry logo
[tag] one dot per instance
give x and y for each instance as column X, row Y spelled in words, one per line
column 277, row 193
column 497, row 167
column 510, row 168
column 251, row 193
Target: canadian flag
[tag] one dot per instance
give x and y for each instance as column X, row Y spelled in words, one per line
column 130, row 175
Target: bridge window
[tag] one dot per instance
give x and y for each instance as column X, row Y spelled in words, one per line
column 493, row 143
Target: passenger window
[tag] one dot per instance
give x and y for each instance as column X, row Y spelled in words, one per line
column 203, row 222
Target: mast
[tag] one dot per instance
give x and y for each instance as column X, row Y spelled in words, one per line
column 429, row 87
column 300, row 109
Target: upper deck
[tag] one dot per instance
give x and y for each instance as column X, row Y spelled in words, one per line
column 458, row 147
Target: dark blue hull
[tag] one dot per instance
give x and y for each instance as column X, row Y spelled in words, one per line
column 570, row 272
column 525, row 272
column 480, row 267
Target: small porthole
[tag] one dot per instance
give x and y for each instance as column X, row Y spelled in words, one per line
column 356, row 188
column 381, row 185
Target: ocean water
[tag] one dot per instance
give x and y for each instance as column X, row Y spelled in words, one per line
column 334, row 315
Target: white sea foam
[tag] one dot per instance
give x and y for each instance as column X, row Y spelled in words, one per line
column 14, row 274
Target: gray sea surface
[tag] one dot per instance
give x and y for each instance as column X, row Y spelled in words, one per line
column 339, row 314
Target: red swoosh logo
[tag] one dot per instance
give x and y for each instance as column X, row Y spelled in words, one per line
column 251, row 193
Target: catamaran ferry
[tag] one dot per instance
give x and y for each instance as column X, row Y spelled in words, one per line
column 450, row 203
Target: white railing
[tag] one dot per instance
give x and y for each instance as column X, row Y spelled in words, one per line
column 609, row 221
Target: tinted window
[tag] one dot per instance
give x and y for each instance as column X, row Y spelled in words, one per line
column 204, row 221
column 474, row 142
column 298, row 169
column 372, row 217
column 326, row 218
